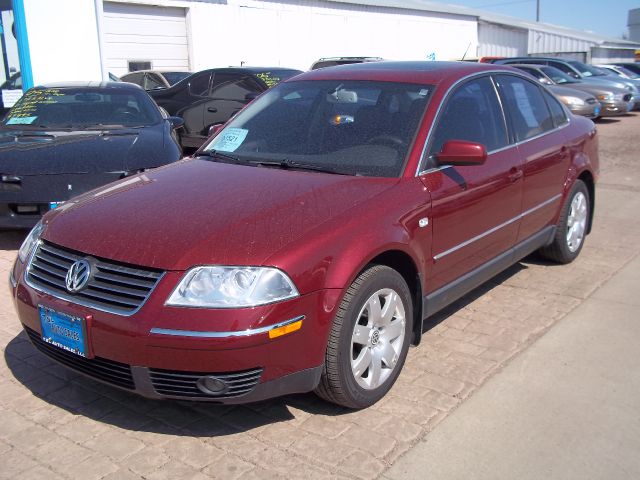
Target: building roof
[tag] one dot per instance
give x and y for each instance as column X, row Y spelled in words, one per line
column 507, row 21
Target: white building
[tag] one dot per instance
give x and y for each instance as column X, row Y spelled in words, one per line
column 65, row 40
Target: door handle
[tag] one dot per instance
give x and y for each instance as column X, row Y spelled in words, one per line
column 515, row 174
column 212, row 109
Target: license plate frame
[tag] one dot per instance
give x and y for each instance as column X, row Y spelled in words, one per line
column 64, row 331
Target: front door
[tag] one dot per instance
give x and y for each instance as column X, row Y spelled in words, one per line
column 475, row 209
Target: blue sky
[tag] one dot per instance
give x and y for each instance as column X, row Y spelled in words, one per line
column 606, row 17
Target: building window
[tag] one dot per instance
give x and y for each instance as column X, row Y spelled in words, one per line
column 135, row 65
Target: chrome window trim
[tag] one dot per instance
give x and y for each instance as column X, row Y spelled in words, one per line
column 78, row 301
column 446, row 97
column 496, row 228
column 239, row 333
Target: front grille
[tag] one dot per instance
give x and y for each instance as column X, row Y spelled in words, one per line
column 184, row 384
column 112, row 287
column 627, row 97
column 108, row 371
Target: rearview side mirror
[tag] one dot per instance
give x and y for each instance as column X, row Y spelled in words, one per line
column 460, row 152
column 176, row 122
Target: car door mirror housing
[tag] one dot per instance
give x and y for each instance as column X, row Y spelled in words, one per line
column 215, row 128
column 460, row 152
column 176, row 122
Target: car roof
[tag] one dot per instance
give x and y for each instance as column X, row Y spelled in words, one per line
column 98, row 84
column 156, row 71
column 408, row 72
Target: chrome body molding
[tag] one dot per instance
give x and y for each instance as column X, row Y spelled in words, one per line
column 496, row 228
column 239, row 333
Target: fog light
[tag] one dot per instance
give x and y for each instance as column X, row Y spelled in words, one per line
column 212, row 385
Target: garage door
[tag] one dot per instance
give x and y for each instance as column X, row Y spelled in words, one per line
column 141, row 36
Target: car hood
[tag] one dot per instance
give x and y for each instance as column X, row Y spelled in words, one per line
column 31, row 152
column 595, row 89
column 605, row 82
column 199, row 212
column 567, row 92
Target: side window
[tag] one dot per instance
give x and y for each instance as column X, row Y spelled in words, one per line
column 526, row 106
column 557, row 112
column 471, row 113
column 136, row 78
column 199, row 84
column 563, row 67
column 152, row 81
column 229, row 86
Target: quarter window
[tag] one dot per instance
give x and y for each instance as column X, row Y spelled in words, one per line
column 526, row 107
column 472, row 113
column 557, row 112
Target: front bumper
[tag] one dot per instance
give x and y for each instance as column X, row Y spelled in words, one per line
column 165, row 352
column 615, row 108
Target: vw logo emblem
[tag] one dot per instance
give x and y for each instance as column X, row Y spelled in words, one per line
column 78, row 276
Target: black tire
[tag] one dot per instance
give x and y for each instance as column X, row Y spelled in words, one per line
column 338, row 383
column 559, row 249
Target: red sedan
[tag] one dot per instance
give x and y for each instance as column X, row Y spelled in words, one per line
column 303, row 246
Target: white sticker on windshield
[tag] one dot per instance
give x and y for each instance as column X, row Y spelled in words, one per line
column 21, row 120
column 230, row 139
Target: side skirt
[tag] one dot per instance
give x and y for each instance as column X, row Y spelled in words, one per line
column 435, row 301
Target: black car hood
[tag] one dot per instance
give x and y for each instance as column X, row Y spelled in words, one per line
column 38, row 152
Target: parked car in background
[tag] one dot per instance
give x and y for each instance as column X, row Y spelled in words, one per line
column 613, row 100
column 579, row 71
column 61, row 140
column 153, row 79
column 621, row 72
column 213, row 96
column 634, row 67
column 304, row 245
column 334, row 61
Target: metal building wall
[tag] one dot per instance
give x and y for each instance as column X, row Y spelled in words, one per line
column 546, row 43
column 611, row 55
column 501, row 40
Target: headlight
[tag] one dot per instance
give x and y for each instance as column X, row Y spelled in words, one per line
column 607, row 97
column 573, row 101
column 30, row 242
column 232, row 287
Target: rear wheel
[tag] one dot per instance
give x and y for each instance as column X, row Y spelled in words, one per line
column 572, row 226
column 369, row 339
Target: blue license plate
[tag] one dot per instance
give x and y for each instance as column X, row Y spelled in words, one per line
column 63, row 330
column 596, row 111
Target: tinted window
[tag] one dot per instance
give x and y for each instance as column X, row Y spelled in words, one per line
column 230, row 86
column 152, row 81
column 557, row 112
column 137, row 78
column 353, row 127
column 82, row 108
column 563, row 67
column 526, row 106
column 473, row 114
column 199, row 84
column 175, row 77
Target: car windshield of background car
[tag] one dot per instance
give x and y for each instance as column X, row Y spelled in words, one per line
column 586, row 70
column 558, row 76
column 352, row 127
column 81, row 108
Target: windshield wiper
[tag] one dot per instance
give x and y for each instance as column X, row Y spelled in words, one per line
column 220, row 155
column 291, row 164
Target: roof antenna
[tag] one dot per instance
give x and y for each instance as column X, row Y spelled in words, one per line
column 465, row 52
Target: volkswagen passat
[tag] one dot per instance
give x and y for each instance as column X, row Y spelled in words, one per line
column 304, row 245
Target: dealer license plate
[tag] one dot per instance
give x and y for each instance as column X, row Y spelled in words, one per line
column 63, row 330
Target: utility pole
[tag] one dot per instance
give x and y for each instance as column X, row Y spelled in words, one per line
column 537, row 10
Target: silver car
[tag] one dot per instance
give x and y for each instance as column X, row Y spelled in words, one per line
column 613, row 100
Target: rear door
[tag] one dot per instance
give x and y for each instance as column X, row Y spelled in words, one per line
column 537, row 120
column 475, row 209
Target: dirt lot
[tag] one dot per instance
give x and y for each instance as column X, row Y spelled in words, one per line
column 57, row 424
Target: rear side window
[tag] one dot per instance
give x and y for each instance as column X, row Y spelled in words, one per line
column 199, row 85
column 526, row 107
column 471, row 113
column 229, row 86
column 557, row 112
column 136, row 78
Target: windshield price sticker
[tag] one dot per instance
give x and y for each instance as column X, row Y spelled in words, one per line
column 230, row 139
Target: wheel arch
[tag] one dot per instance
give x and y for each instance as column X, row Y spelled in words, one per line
column 587, row 177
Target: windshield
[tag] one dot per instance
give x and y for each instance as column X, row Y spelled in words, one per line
column 82, row 108
column 175, row 77
column 558, row 76
column 586, row 70
column 628, row 72
column 352, row 127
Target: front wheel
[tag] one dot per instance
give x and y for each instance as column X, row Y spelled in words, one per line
column 369, row 339
column 572, row 226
